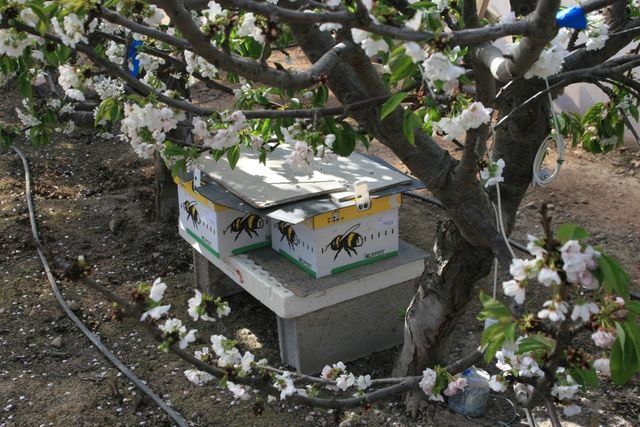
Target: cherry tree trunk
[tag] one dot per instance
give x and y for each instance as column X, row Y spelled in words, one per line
column 446, row 287
column 466, row 244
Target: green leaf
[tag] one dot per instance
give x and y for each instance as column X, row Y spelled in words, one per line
column 568, row 232
column 180, row 166
column 320, row 96
column 592, row 115
column 585, row 377
column 624, row 361
column 391, row 104
column 633, row 306
column 116, row 112
column 510, row 332
column 402, row 66
column 632, row 333
column 536, row 344
column 621, row 334
column 233, row 155
column 492, row 340
column 613, row 278
column 493, row 309
column 103, row 108
column 345, row 141
column 409, row 125
column 633, row 110
column 173, row 150
column 23, row 83
column 625, row 353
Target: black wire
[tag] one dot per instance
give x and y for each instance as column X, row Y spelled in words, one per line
column 95, row 340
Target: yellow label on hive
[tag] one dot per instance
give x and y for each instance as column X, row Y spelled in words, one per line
column 378, row 205
column 188, row 187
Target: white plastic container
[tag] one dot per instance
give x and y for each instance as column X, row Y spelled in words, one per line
column 472, row 401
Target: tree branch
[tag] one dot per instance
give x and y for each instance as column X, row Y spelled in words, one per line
column 172, row 60
column 601, row 72
column 616, row 14
column 582, row 58
column 116, row 18
column 252, row 70
column 541, row 29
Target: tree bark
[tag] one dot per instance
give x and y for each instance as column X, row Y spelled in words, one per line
column 463, row 257
column 465, row 246
column 446, row 287
column 165, row 192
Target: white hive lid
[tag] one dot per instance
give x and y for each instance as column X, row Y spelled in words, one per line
column 275, row 183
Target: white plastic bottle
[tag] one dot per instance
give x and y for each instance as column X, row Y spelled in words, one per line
column 472, row 401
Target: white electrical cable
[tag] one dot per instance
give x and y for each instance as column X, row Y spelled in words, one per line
column 541, row 175
column 501, row 222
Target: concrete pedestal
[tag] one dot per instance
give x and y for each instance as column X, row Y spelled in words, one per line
column 321, row 321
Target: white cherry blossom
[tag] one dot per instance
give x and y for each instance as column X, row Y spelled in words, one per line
column 428, row 381
column 584, row 311
column 571, row 410
column 514, row 289
column 602, row 365
column 284, row 383
column 363, row 382
column 345, row 380
column 248, row 28
column 597, row 31
column 603, row 338
column 157, row 290
column 492, row 175
column 239, row 392
column 554, row 310
column 548, row 277
column 187, row 338
column 439, row 67
column 198, row 377
column 247, row 360
column 156, row 312
column 496, row 384
column 414, row 51
column 454, row 386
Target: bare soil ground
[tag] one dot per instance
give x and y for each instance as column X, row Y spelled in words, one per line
column 95, row 198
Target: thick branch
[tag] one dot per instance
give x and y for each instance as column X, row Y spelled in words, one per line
column 616, row 14
column 542, row 28
column 281, row 14
column 118, row 19
column 249, row 69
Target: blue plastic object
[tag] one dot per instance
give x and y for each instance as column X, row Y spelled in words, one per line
column 572, row 17
column 132, row 57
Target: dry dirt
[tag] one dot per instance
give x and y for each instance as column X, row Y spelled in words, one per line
column 94, row 197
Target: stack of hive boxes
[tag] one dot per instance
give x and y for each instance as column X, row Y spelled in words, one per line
column 313, row 220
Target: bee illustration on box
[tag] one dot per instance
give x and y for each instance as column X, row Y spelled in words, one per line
column 349, row 241
column 248, row 223
column 287, row 231
column 192, row 212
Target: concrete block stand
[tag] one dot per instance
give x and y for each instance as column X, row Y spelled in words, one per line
column 321, row 321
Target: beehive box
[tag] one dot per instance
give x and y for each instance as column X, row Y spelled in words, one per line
column 312, row 218
column 341, row 239
column 218, row 231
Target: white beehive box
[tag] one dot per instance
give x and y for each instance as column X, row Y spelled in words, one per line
column 312, row 218
column 341, row 239
column 218, row 231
